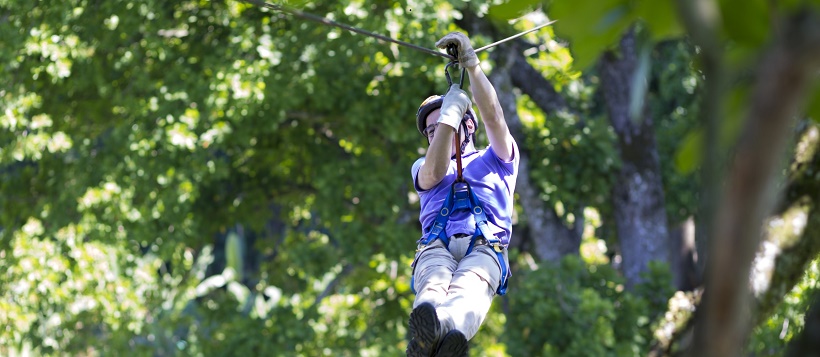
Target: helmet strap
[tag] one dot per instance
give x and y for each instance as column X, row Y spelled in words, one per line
column 466, row 136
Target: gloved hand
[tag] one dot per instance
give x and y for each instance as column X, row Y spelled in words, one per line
column 455, row 104
column 466, row 53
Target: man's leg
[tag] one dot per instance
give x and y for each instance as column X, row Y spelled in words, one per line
column 432, row 273
column 471, row 292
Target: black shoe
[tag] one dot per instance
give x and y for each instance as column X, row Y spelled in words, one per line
column 414, row 350
column 454, row 344
column 425, row 330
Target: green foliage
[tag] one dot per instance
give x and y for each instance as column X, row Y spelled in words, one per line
column 772, row 336
column 134, row 135
column 574, row 156
column 814, row 104
column 673, row 104
column 575, row 309
column 750, row 27
column 512, row 9
column 596, row 26
column 574, row 161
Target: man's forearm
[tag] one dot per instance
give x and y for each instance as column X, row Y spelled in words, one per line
column 484, row 95
column 492, row 115
column 437, row 159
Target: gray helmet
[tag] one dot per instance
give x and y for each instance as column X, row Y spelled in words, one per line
column 434, row 102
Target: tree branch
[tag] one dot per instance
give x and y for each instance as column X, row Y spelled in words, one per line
column 701, row 19
column 783, row 79
column 795, row 252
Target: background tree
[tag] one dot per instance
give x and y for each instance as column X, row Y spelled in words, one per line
column 207, row 178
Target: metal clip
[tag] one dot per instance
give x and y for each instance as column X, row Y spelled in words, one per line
column 497, row 247
column 452, row 50
column 450, row 80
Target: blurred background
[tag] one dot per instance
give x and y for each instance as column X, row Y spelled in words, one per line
column 217, row 178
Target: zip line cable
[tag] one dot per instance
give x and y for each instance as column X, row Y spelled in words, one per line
column 328, row 22
column 451, row 52
column 515, row 36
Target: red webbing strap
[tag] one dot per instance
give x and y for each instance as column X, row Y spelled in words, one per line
column 458, row 156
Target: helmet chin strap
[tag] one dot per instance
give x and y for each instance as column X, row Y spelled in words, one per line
column 466, row 136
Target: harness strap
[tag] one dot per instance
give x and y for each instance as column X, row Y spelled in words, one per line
column 459, row 177
column 461, row 196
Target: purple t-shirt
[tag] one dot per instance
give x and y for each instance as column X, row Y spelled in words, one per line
column 493, row 182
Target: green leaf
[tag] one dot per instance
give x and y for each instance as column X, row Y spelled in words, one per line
column 234, row 253
column 746, row 21
column 512, row 9
column 660, row 17
column 689, row 154
column 591, row 26
column 813, row 104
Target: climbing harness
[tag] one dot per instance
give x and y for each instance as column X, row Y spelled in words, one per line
column 461, row 196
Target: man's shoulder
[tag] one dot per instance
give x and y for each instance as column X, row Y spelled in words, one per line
column 491, row 158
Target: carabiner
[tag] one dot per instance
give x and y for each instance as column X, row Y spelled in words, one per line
column 452, row 50
column 450, row 80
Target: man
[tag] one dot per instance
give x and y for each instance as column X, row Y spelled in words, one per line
column 460, row 266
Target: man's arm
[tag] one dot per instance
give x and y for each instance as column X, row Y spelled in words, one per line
column 437, row 159
column 491, row 113
column 483, row 94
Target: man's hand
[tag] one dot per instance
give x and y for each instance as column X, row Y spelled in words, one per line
column 466, row 53
column 454, row 106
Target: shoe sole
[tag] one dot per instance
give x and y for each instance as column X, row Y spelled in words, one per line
column 454, row 344
column 413, row 350
column 424, row 326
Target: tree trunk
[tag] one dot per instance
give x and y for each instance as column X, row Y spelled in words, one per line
column 725, row 316
column 795, row 248
column 799, row 245
column 637, row 195
column 783, row 77
column 683, row 256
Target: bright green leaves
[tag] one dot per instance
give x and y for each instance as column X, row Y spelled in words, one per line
column 71, row 282
column 29, row 134
column 813, row 103
column 513, row 9
column 787, row 321
column 595, row 26
column 573, row 165
column 575, row 309
column 746, row 22
column 660, row 18
column 689, row 155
